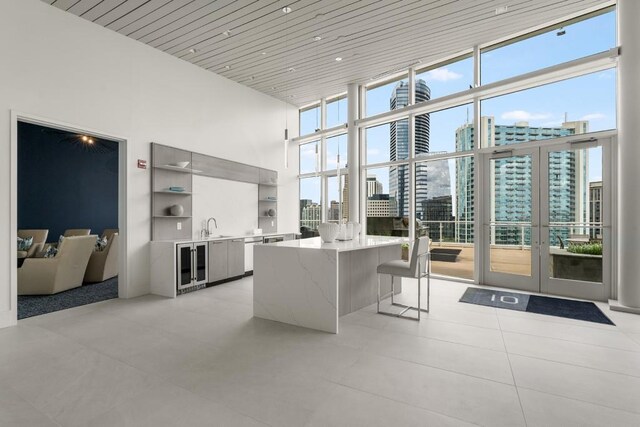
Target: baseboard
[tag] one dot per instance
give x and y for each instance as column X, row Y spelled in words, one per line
column 8, row 318
column 616, row 306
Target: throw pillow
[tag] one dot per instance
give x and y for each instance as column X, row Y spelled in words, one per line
column 25, row 244
column 51, row 252
column 101, row 243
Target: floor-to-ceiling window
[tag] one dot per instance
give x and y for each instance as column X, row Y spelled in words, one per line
column 424, row 135
column 324, row 181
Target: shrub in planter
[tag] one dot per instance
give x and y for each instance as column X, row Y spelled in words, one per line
column 585, row 248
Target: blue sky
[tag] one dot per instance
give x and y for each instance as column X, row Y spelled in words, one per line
column 590, row 97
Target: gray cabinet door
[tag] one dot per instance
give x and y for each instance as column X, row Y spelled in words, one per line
column 236, row 257
column 218, row 260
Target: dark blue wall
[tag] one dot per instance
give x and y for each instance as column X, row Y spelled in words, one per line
column 65, row 183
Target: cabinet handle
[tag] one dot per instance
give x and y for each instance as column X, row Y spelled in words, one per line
column 238, row 240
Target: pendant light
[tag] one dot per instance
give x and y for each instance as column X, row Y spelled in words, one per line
column 286, row 10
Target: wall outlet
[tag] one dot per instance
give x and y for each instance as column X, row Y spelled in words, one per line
column 179, row 226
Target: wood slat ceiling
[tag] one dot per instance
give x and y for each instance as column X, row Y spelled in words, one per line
column 254, row 43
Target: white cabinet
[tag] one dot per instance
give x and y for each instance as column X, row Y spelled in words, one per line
column 226, row 259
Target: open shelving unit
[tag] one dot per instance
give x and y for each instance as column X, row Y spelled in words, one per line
column 165, row 174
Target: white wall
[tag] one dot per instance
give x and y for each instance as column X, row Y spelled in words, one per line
column 61, row 67
column 233, row 204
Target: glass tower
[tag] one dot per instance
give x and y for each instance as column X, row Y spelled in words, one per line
column 399, row 149
column 510, row 180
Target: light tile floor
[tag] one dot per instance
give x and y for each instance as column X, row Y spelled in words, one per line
column 202, row 360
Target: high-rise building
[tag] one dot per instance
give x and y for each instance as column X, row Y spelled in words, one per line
column 379, row 205
column 373, row 186
column 310, row 214
column 399, row 184
column 511, row 181
column 595, row 208
column 436, row 208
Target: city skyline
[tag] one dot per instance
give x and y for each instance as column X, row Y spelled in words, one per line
column 543, row 106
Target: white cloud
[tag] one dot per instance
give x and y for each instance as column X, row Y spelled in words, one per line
column 522, row 115
column 593, row 116
column 442, row 75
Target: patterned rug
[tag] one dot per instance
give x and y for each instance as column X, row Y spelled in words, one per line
column 35, row 305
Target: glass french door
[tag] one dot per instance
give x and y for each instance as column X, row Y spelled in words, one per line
column 576, row 219
column 547, row 219
column 511, row 225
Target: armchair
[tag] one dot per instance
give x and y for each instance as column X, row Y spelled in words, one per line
column 39, row 240
column 103, row 264
column 77, row 232
column 40, row 276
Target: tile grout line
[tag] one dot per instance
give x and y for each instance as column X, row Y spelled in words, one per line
column 337, row 382
column 580, row 400
column 515, row 384
column 573, row 341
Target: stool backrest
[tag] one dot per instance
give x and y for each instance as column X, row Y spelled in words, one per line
column 418, row 260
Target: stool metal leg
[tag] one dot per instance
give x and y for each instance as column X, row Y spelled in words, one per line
column 378, row 292
column 393, row 288
column 419, row 310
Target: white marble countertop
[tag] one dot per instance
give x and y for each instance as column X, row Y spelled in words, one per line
column 225, row 237
column 363, row 242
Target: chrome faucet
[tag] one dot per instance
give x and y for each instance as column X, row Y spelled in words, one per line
column 207, row 232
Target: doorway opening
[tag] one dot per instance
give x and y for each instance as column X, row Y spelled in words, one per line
column 68, row 217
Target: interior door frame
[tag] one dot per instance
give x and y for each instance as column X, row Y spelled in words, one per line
column 600, row 291
column 123, row 243
column 514, row 281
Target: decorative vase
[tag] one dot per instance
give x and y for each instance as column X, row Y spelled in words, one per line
column 176, row 210
column 328, row 232
column 271, row 212
column 356, row 229
column 345, row 231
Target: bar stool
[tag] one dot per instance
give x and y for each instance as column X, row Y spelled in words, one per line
column 417, row 268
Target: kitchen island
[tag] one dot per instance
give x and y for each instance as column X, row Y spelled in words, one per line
column 311, row 283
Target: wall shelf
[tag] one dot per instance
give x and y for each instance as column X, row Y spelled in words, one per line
column 176, row 169
column 180, row 193
column 268, row 200
column 170, row 216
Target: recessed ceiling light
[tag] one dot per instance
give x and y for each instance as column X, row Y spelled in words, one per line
column 273, row 88
column 338, row 59
column 227, row 33
column 85, row 138
column 193, row 50
column 264, row 53
column 292, row 70
column 286, row 10
column 317, row 38
column 502, row 9
column 226, row 67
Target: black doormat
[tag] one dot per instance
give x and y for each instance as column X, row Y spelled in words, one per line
column 88, row 293
column 559, row 307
